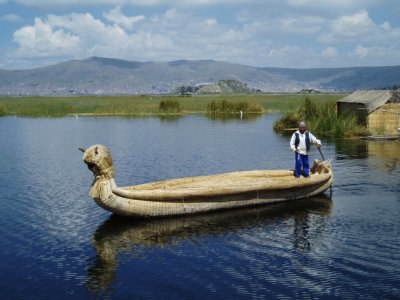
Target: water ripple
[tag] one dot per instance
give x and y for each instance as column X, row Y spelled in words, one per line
column 57, row 241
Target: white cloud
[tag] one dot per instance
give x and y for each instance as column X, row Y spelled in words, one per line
column 263, row 37
column 358, row 28
column 354, row 25
column 116, row 16
column 96, row 38
column 292, row 56
column 385, row 26
column 158, row 38
column 375, row 52
column 204, row 2
column 329, row 3
column 285, row 27
column 42, row 40
column 46, row 3
column 330, row 52
column 11, row 18
column 301, row 25
column 361, row 51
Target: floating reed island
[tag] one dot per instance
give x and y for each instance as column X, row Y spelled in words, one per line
column 191, row 195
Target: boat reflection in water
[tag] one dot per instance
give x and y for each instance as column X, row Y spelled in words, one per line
column 125, row 235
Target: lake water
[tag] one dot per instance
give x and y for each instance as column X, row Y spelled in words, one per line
column 56, row 243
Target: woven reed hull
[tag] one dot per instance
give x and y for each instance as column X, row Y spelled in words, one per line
column 208, row 193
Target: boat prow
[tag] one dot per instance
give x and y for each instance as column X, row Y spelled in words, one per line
column 199, row 194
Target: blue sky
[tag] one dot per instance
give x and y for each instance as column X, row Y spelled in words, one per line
column 262, row 33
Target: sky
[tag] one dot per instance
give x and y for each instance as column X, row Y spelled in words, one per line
column 260, row 33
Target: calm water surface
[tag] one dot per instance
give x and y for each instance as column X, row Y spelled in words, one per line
column 57, row 243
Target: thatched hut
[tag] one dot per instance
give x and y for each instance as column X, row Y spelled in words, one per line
column 379, row 110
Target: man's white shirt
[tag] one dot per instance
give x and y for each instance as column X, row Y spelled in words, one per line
column 301, row 148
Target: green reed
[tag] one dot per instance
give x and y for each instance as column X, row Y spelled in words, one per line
column 148, row 104
column 229, row 107
column 2, row 109
column 170, row 106
column 322, row 119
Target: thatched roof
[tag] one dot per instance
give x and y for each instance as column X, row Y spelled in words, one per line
column 372, row 99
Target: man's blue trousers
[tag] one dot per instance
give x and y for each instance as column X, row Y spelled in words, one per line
column 301, row 163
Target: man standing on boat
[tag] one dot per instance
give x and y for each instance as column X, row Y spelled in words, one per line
column 300, row 144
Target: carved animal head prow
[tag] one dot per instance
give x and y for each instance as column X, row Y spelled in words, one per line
column 99, row 161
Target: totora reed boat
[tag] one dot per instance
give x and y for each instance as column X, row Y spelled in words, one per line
column 202, row 193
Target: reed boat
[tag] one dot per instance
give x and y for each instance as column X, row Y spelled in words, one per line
column 199, row 194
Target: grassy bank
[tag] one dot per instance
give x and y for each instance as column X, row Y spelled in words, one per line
column 321, row 119
column 152, row 105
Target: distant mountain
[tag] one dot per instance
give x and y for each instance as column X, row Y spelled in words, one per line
column 105, row 76
column 343, row 79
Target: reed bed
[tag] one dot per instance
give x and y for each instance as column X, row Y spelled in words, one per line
column 2, row 109
column 322, row 119
column 170, row 106
column 238, row 107
column 318, row 110
column 147, row 105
